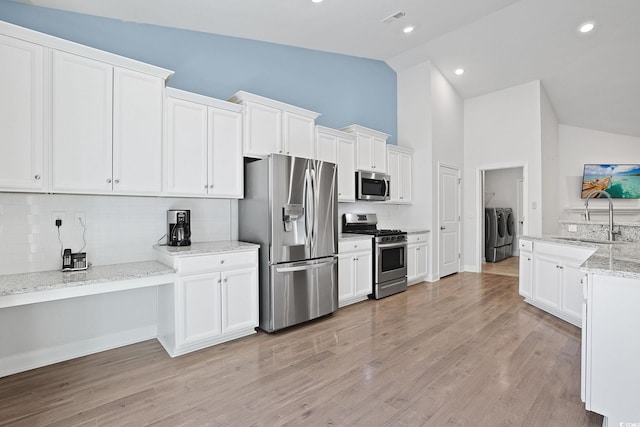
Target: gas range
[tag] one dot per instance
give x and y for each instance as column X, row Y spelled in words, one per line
column 389, row 253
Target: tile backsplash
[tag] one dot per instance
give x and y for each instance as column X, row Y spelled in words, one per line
column 118, row 229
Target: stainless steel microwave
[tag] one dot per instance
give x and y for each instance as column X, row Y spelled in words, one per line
column 372, row 186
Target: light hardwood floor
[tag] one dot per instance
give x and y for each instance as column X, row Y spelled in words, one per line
column 506, row 267
column 464, row 351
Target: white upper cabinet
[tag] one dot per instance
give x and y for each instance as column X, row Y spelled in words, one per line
column 21, row 116
column 137, row 132
column 338, row 147
column 82, row 124
column 107, row 128
column 275, row 127
column 371, row 151
column 204, row 144
column 400, row 170
column 94, row 117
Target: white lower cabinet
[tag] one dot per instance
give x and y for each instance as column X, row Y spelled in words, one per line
column 213, row 300
column 550, row 277
column 355, row 270
column 417, row 258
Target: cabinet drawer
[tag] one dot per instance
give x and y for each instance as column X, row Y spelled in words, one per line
column 526, row 245
column 217, row 262
column 417, row 238
column 354, row 245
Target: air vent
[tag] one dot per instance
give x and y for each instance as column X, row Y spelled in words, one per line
column 399, row 14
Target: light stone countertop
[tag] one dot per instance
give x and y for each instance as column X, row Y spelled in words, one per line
column 15, row 284
column 417, row 231
column 203, row 248
column 621, row 259
column 354, row 236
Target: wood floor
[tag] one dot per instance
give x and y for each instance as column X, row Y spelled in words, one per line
column 506, row 267
column 464, row 351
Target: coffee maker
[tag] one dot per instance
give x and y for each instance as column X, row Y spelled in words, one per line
column 179, row 227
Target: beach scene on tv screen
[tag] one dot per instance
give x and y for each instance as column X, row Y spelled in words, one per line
column 620, row 181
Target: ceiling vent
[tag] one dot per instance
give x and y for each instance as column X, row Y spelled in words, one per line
column 399, row 14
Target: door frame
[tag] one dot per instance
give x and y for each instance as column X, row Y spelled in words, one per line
column 459, row 208
column 479, row 193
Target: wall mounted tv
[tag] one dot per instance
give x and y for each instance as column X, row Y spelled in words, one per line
column 620, row 181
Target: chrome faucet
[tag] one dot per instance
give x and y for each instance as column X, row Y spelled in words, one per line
column 588, row 217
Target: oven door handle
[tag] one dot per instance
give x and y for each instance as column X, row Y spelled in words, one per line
column 389, row 245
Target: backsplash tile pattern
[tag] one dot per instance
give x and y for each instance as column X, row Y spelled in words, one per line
column 119, row 229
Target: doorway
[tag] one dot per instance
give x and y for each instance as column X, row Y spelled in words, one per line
column 502, row 219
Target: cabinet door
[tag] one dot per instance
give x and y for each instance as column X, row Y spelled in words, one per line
column 137, row 132
column 412, row 262
column 422, row 259
column 346, row 150
column 225, row 154
column 379, row 154
column 82, row 124
column 239, row 300
column 346, row 277
column 546, row 287
column 21, row 140
column 263, row 133
column 298, row 134
column 572, row 297
column 187, row 147
column 198, row 313
column 395, row 177
column 526, row 274
column 326, row 148
column 364, row 280
column 364, row 151
column 406, row 177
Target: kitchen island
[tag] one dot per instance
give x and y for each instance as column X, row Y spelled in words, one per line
column 609, row 280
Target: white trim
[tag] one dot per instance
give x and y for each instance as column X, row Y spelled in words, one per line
column 202, row 99
column 47, row 40
column 335, row 132
column 243, row 97
column 50, row 355
column 398, row 149
column 356, row 129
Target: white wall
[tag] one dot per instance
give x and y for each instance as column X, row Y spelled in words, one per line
column 549, row 161
column 579, row 146
column 448, row 147
column 501, row 130
column 119, row 229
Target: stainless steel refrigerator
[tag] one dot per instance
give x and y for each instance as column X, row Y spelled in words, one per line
column 290, row 209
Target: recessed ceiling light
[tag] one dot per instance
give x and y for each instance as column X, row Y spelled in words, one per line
column 587, row 27
column 408, row 29
column 317, row 1
column 459, row 71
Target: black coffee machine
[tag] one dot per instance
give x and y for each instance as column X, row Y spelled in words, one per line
column 179, row 227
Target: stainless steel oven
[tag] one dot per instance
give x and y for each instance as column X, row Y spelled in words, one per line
column 389, row 254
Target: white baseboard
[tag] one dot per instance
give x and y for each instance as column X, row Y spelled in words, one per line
column 42, row 357
column 472, row 268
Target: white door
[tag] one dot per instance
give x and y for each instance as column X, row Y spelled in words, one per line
column 198, row 314
column 187, row 127
column 82, row 124
column 406, row 177
column 326, row 147
column 364, row 281
column 239, row 300
column 299, row 135
column 346, row 277
column 449, row 220
column 393, row 166
column 263, row 126
column 225, row 153
column 21, row 78
column 137, row 132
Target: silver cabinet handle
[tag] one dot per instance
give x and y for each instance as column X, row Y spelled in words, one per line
column 417, row 249
column 206, row 186
column 108, row 180
column 219, row 281
column 225, row 280
column 117, row 181
column 211, row 186
column 37, row 177
column 221, row 261
column 442, row 227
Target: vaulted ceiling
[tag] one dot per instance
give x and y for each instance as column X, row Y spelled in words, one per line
column 591, row 79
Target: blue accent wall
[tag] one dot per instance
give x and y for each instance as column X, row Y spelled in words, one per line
column 344, row 89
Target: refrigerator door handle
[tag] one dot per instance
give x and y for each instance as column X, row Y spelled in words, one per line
column 305, row 198
column 305, row 266
column 314, row 201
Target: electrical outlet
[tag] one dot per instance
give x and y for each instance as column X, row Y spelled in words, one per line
column 57, row 215
column 80, row 216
